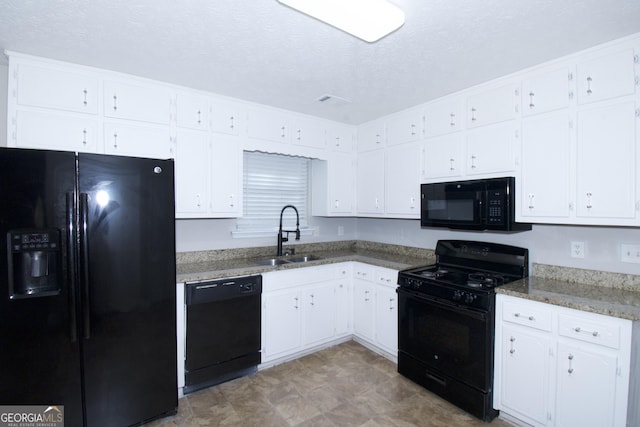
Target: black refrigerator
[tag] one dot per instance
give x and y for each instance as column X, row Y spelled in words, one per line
column 87, row 285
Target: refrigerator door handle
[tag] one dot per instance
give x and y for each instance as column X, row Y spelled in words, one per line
column 71, row 256
column 84, row 265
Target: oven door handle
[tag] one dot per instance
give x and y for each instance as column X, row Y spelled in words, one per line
column 445, row 305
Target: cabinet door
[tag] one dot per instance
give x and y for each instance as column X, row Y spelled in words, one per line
column 269, row 124
column 546, row 91
column 341, row 184
column 444, row 116
column 56, row 132
column 226, row 176
column 343, row 301
column 340, row 137
column 586, row 386
column 319, row 313
column 545, row 183
column 59, row 89
column 606, row 159
column 525, row 374
column 444, row 156
column 406, row 127
column 308, row 132
column 363, row 309
column 139, row 141
column 386, row 318
column 282, row 326
column 226, row 116
column 493, row 106
column 371, row 136
column 192, row 171
column 606, row 77
column 403, row 170
column 491, row 149
column 192, row 111
column 136, row 102
column 370, row 182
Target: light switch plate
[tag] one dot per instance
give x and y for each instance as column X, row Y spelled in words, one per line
column 630, row 253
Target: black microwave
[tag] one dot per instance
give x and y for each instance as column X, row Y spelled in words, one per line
column 484, row 204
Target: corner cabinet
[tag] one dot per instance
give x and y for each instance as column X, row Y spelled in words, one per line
column 561, row 367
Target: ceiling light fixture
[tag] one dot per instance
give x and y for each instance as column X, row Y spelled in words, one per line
column 369, row 20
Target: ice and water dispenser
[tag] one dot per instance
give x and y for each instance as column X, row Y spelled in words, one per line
column 34, row 262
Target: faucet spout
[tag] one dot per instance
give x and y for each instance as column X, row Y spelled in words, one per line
column 281, row 237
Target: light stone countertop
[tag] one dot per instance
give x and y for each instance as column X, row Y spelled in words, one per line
column 611, row 294
column 198, row 266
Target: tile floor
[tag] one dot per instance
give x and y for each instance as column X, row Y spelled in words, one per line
column 345, row 385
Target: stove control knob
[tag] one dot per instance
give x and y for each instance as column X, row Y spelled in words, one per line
column 457, row 295
column 469, row 298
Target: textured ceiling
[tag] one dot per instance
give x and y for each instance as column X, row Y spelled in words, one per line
column 261, row 51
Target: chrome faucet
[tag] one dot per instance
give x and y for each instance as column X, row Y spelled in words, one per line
column 281, row 237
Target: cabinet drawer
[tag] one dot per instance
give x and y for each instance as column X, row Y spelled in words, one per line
column 528, row 314
column 605, row 332
column 386, row 277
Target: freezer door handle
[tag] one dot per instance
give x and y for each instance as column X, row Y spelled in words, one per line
column 71, row 256
column 84, row 264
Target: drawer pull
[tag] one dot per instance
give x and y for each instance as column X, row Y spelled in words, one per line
column 528, row 317
column 578, row 330
column 512, row 350
column 570, row 370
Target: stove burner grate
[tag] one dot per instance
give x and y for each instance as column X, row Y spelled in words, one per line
column 482, row 280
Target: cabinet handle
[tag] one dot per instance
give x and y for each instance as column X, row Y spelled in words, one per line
column 282, row 134
column 531, row 196
column 570, row 370
column 452, row 122
column 312, row 303
column 473, row 162
column 231, row 199
column 198, row 200
column 413, row 129
column 366, row 295
column 84, row 92
column 299, row 134
column 378, row 138
column 391, row 303
column 589, row 80
column 473, row 115
column 589, row 205
column 451, row 167
column 337, row 141
column 115, row 103
column 578, row 330
column 377, row 203
column 199, row 118
column 231, row 124
column 296, row 303
column 512, row 350
column 115, row 140
column 531, row 318
column 531, row 104
column 84, row 136
column 336, row 205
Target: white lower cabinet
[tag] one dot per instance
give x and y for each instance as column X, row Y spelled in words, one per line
column 303, row 308
column 561, row 367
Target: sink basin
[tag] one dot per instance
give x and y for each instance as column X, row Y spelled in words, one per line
column 287, row 260
column 272, row 261
column 302, row 258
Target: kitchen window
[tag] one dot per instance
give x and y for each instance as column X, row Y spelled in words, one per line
column 271, row 181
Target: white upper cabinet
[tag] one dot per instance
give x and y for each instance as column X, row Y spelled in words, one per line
column 493, row 105
column 268, row 124
column 49, row 87
column 492, row 149
column 308, row 132
column 126, row 139
column 226, row 116
column 47, row 130
column 444, row 116
column 371, row 135
column 405, row 127
column 192, row 111
column 192, row 173
column 340, row 137
column 546, row 146
column 444, row 157
column 607, row 156
column 226, row 177
column 402, row 183
column 370, row 183
column 333, row 191
column 606, row 76
column 546, row 91
column 141, row 102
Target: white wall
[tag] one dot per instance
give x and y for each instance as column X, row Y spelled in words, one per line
column 4, row 85
column 547, row 244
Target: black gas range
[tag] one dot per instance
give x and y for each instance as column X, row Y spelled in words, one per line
column 446, row 320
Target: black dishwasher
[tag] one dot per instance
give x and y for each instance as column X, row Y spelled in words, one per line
column 223, row 330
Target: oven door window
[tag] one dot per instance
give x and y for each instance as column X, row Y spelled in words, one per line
column 450, row 340
column 451, row 204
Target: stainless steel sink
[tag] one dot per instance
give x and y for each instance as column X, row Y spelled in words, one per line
column 302, row 258
column 271, row 261
column 287, row 260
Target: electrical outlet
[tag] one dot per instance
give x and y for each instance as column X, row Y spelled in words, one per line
column 340, row 230
column 630, row 253
column 577, row 249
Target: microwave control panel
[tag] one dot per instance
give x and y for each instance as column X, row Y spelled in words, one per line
column 496, row 209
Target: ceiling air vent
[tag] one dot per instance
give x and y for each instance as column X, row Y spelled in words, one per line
column 332, row 100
